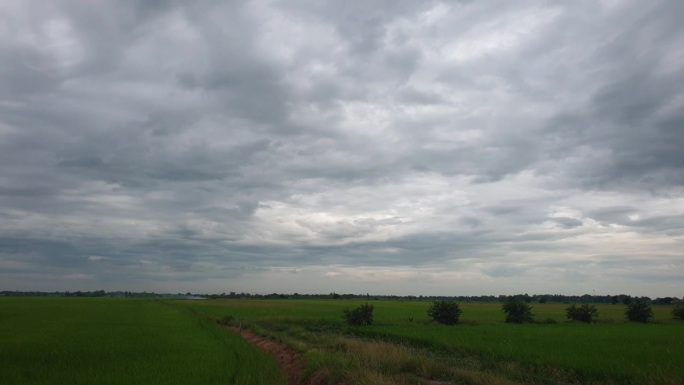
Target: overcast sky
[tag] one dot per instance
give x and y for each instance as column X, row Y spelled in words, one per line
column 390, row 147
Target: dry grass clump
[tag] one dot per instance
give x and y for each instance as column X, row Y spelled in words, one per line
column 381, row 362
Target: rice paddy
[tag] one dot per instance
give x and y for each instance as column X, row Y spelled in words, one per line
column 550, row 351
column 121, row 341
column 147, row 341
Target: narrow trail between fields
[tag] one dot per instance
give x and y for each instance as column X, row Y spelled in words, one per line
column 290, row 362
column 293, row 366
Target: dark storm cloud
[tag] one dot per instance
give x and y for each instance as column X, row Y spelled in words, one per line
column 213, row 142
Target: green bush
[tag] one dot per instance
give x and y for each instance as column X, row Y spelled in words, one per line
column 517, row 311
column 583, row 313
column 638, row 311
column 362, row 315
column 445, row 312
column 678, row 312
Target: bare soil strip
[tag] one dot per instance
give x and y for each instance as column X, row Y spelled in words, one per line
column 290, row 362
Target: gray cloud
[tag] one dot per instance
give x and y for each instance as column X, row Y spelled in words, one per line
column 430, row 147
column 568, row 223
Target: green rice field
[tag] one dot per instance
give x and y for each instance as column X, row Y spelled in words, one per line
column 550, row 351
column 150, row 341
column 72, row 341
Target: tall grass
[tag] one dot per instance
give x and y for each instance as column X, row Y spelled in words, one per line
column 121, row 341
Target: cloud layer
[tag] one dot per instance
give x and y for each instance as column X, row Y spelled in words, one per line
column 371, row 146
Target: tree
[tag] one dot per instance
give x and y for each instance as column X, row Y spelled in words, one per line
column 664, row 301
column 678, row 312
column 583, row 313
column 638, row 311
column 362, row 315
column 445, row 312
column 517, row 311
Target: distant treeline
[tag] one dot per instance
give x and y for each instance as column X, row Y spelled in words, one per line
column 537, row 298
column 96, row 293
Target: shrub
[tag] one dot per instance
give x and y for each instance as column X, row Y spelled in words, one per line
column 678, row 312
column 362, row 315
column 445, row 312
column 517, row 311
column 638, row 311
column 583, row 313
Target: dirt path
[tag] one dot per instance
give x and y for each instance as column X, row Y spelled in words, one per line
column 290, row 362
column 293, row 367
